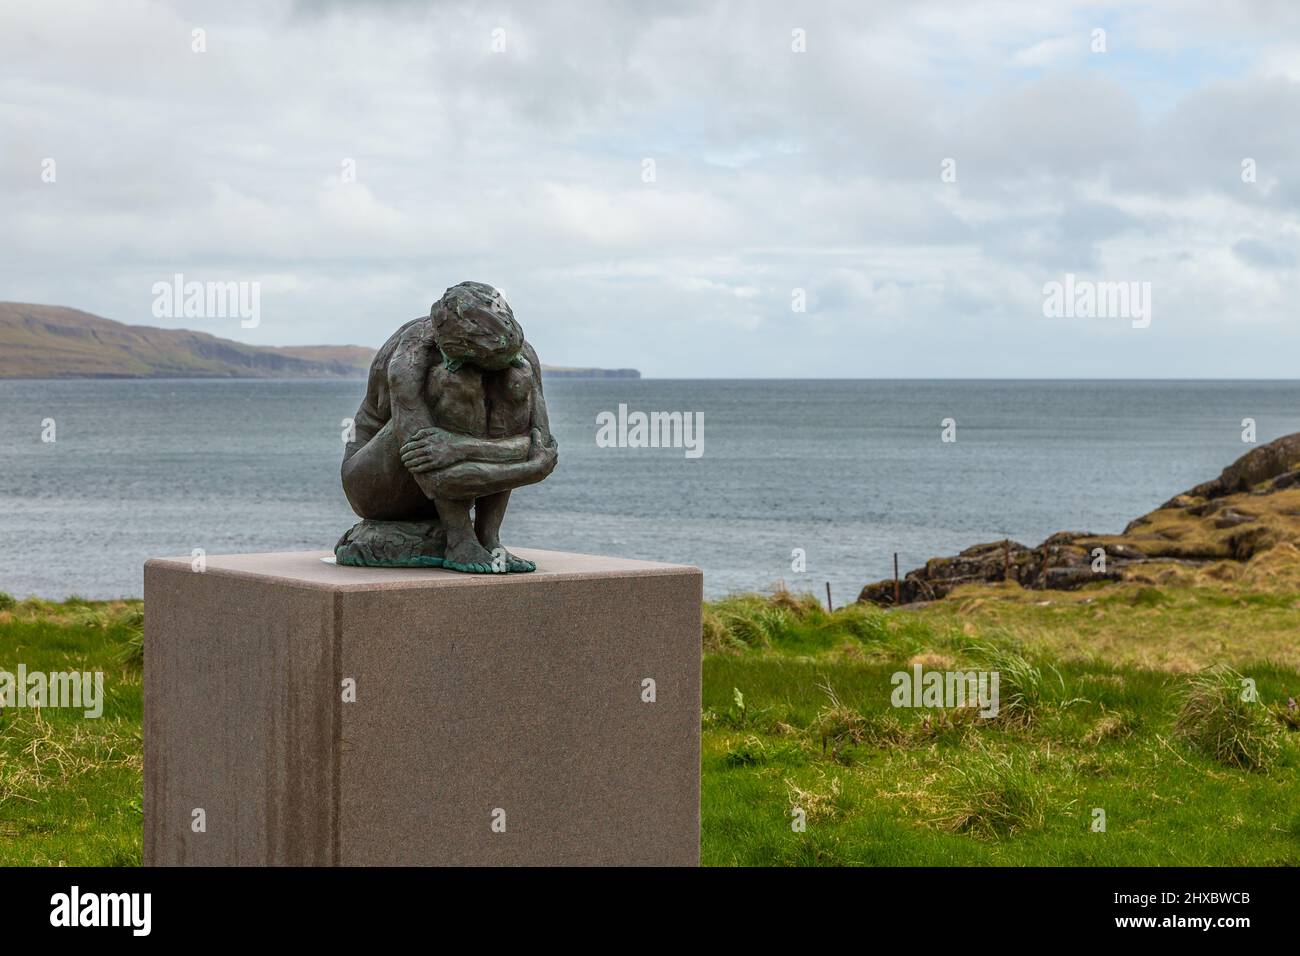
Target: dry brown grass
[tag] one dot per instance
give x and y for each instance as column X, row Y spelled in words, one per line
column 57, row 755
column 1183, row 533
column 1166, row 616
column 820, row 804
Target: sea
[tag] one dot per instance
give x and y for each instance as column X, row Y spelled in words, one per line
column 800, row 483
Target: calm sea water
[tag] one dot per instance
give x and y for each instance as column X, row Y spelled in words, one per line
column 849, row 471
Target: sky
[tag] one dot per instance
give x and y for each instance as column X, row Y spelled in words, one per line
column 703, row 189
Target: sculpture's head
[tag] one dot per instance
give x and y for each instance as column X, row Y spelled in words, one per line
column 472, row 324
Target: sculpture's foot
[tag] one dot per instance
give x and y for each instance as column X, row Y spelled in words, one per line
column 516, row 564
column 470, row 557
column 393, row 544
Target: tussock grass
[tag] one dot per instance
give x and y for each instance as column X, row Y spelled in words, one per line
column 788, row 621
column 746, row 621
column 131, row 652
column 1022, row 689
column 991, row 795
column 1218, row 721
column 837, row 725
column 840, row 728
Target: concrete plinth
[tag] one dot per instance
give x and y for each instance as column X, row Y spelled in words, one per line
column 544, row 718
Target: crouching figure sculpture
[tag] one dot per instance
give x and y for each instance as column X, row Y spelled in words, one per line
column 452, row 421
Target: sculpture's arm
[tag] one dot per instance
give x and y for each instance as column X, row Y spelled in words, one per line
column 408, row 371
column 474, row 479
column 471, row 479
column 541, row 418
column 434, row 448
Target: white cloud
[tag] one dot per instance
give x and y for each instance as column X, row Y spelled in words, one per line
column 1055, row 51
column 774, row 170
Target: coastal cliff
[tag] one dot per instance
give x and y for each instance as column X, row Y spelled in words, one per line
column 51, row 341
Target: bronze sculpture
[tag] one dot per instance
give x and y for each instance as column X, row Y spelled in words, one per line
column 453, row 420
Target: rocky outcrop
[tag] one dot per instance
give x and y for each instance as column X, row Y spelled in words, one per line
column 1277, row 460
column 1252, row 506
column 1062, row 561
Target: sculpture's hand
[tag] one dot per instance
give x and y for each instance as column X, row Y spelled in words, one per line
column 474, row 479
column 544, row 452
column 432, row 448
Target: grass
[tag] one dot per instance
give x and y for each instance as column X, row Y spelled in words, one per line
column 1124, row 698
column 1221, row 719
column 992, row 795
column 70, row 787
column 1132, row 724
column 1195, row 532
column 1172, row 619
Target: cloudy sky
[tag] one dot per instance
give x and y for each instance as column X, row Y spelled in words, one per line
column 650, row 184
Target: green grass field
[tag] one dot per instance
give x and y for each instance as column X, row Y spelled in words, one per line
column 70, row 787
column 1110, row 699
column 798, row 715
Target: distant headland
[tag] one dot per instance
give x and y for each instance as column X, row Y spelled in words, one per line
column 51, row 341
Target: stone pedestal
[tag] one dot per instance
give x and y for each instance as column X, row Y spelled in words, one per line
column 544, row 718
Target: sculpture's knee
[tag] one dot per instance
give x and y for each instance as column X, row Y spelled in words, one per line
column 377, row 484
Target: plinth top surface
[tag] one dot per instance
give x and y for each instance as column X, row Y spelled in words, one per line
column 309, row 569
